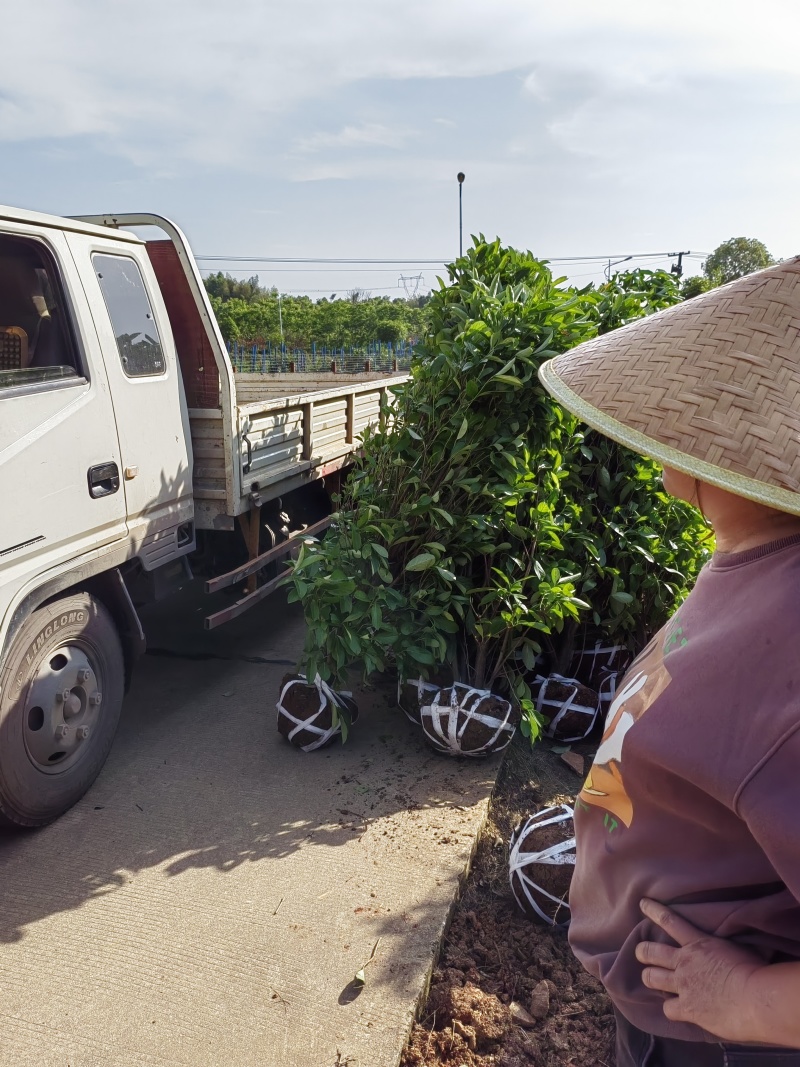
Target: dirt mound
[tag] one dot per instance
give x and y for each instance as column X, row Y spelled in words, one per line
column 487, row 1005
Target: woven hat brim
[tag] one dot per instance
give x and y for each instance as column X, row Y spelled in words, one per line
column 761, row 492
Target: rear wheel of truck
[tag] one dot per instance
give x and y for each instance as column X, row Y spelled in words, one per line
column 60, row 699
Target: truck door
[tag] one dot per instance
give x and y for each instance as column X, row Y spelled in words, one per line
column 60, row 461
column 146, row 387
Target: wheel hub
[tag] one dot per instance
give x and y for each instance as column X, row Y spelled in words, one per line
column 62, row 708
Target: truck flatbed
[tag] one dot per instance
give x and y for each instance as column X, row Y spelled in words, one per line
column 288, row 431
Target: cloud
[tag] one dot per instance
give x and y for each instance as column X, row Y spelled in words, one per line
column 191, row 80
column 197, row 81
column 313, row 128
column 368, row 135
column 638, row 44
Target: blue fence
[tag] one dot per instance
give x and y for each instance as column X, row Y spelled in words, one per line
column 276, row 359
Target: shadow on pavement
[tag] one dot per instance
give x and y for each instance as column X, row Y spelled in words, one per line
column 199, row 778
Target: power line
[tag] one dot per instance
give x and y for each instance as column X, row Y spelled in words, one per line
column 366, row 268
column 436, row 262
column 369, row 289
column 315, row 270
column 311, row 259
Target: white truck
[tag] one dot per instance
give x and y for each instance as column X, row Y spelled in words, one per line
column 131, row 457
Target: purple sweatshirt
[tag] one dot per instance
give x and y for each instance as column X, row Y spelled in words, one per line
column 694, row 795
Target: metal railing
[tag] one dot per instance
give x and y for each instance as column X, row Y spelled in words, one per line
column 353, row 359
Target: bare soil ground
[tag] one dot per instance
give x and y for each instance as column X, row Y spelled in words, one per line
column 508, row 992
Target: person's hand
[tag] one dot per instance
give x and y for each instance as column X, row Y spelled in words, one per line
column 707, row 976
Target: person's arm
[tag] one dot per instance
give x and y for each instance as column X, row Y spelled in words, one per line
column 719, row 986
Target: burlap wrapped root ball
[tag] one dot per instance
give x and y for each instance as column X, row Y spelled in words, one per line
column 569, row 708
column 413, row 695
column 463, row 721
column 307, row 715
column 541, row 862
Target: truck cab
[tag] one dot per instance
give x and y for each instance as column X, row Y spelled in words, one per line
column 95, row 472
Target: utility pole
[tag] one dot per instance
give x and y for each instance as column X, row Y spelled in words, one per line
column 677, row 268
column 614, row 263
column 460, row 177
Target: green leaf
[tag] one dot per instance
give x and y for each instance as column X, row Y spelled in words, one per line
column 647, row 555
column 422, row 562
column 463, row 430
column 421, row 655
column 622, row 598
column 528, row 657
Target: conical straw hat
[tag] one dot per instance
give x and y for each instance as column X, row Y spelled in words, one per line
column 710, row 387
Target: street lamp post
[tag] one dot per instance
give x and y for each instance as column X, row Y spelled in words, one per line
column 460, row 177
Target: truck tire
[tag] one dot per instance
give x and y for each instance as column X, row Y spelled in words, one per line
column 61, row 691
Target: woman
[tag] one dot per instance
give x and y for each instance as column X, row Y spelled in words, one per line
column 686, row 896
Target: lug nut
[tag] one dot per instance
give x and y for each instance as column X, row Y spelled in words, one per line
column 62, row 731
column 82, row 732
column 63, row 696
column 84, row 674
column 96, row 698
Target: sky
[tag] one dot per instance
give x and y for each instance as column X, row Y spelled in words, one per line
column 303, row 130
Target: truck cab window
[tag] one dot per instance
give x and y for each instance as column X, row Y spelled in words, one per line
column 36, row 344
column 131, row 315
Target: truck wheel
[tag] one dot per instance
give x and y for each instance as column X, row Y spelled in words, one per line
column 60, row 698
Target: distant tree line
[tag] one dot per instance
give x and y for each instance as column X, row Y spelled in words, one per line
column 250, row 314
column 731, row 260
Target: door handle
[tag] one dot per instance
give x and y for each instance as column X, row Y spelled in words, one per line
column 103, row 479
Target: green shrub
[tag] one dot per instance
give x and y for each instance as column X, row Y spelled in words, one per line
column 483, row 523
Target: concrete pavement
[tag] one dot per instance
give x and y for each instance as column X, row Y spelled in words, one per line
column 211, row 898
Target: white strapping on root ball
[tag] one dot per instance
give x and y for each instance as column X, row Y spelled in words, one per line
column 569, row 707
column 607, row 689
column 310, row 713
column 413, row 694
column 463, row 721
column 595, row 657
column 541, row 862
column 599, row 665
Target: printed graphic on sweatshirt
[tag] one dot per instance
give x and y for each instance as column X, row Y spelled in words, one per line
column 646, row 680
